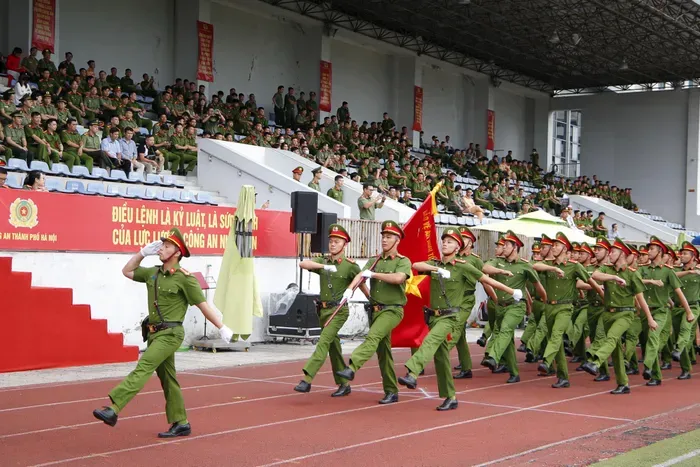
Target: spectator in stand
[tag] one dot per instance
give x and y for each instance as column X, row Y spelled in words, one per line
column 16, row 139
column 129, row 151
column 613, row 232
column 367, row 204
column 315, row 183
column 35, row 181
column 598, row 227
column 13, row 62
column 22, row 88
column 3, row 178
column 152, row 159
column 111, row 148
column 336, row 192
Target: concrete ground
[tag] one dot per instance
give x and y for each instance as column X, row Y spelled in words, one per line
column 191, row 360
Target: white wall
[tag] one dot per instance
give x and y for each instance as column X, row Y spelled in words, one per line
column 362, row 78
column 512, row 122
column 637, row 140
column 443, row 106
column 100, row 31
column 255, row 54
column 126, row 303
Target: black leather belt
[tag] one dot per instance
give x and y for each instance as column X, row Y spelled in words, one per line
column 621, row 308
column 559, row 302
column 440, row 311
column 381, row 307
column 154, row 328
column 596, row 303
column 327, row 304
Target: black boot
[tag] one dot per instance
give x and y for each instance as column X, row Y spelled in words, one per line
column 685, row 375
column 601, row 378
column 561, row 383
column 346, row 373
column 620, row 390
column 303, row 386
column 463, row 375
column 408, row 381
column 513, row 379
column 176, row 430
column 522, row 347
column 343, row 390
column 481, row 341
column 448, row 404
column 107, row 415
column 389, row 399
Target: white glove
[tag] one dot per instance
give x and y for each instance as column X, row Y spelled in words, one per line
column 367, row 273
column 330, row 268
column 443, row 272
column 151, row 249
column 517, row 295
column 226, row 333
column 347, row 295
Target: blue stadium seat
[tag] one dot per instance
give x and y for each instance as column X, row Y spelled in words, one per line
column 17, row 164
column 43, row 167
column 151, row 193
column 15, row 180
column 120, row 175
column 206, row 198
column 61, row 169
column 169, row 195
column 119, row 190
column 152, row 179
column 169, row 180
column 73, row 186
column 97, row 188
column 136, row 191
column 101, row 173
column 52, row 184
column 82, row 172
column 136, row 177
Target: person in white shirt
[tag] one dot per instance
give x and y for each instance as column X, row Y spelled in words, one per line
column 22, row 88
column 128, row 150
column 111, row 147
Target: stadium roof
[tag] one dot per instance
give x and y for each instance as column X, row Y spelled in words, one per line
column 547, row 45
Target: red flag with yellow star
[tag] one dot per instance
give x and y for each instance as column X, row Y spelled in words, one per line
column 419, row 244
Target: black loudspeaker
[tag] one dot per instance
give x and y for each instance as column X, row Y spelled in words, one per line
column 304, row 209
column 301, row 321
column 319, row 240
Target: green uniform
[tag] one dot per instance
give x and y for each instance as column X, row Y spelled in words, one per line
column 537, row 343
column 684, row 331
column 333, row 284
column 335, row 194
column 561, row 294
column 596, row 330
column 177, row 290
column 459, row 337
column 446, row 296
column 509, row 314
column 657, row 299
column 387, row 301
column 631, row 339
column 618, row 313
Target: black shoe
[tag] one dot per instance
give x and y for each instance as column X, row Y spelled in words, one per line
column 685, row 375
column 422, row 372
column 389, row 399
column 561, row 383
column 513, row 379
column 522, row 348
column 542, row 369
column 590, row 368
column 676, row 356
column 580, row 367
column 576, row 359
column 654, row 382
column 463, row 375
column 601, row 378
column 621, row 390
column 646, row 374
column 458, row 367
column 490, row 363
column 408, row 381
column 500, row 369
column 343, row 390
column 610, row 364
column 632, row 371
column 303, row 386
column 666, row 366
column 568, row 352
column 481, row 342
column 448, row 404
column 176, row 430
column 530, row 357
column 107, row 415
column 346, row 373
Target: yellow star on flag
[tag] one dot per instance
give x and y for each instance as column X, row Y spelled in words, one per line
column 412, row 285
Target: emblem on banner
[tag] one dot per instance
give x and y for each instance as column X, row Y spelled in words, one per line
column 24, row 214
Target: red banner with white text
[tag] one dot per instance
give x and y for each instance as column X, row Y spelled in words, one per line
column 44, row 24
column 324, row 101
column 490, row 130
column 205, row 60
column 39, row 221
column 417, row 108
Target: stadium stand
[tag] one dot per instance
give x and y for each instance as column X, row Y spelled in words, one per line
column 475, row 189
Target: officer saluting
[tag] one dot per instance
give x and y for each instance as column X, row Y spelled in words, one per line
column 337, row 272
column 171, row 290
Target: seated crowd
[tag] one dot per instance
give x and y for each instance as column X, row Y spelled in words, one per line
column 41, row 123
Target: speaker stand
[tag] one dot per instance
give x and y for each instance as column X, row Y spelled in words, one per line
column 301, row 258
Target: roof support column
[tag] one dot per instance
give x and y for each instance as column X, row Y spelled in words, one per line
column 417, row 83
column 484, row 100
column 692, row 221
column 326, row 56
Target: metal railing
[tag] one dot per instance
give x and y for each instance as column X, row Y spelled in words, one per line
column 367, row 242
column 568, row 169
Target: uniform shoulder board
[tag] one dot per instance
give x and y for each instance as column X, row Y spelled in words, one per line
column 524, row 260
column 350, row 260
column 184, row 271
column 474, row 254
column 399, row 256
column 667, row 266
column 633, row 269
column 460, row 261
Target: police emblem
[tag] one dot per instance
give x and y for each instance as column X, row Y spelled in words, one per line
column 24, row 214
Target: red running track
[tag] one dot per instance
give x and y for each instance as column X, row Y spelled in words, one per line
column 250, row 416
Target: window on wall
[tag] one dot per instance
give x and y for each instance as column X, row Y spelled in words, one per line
column 566, row 146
